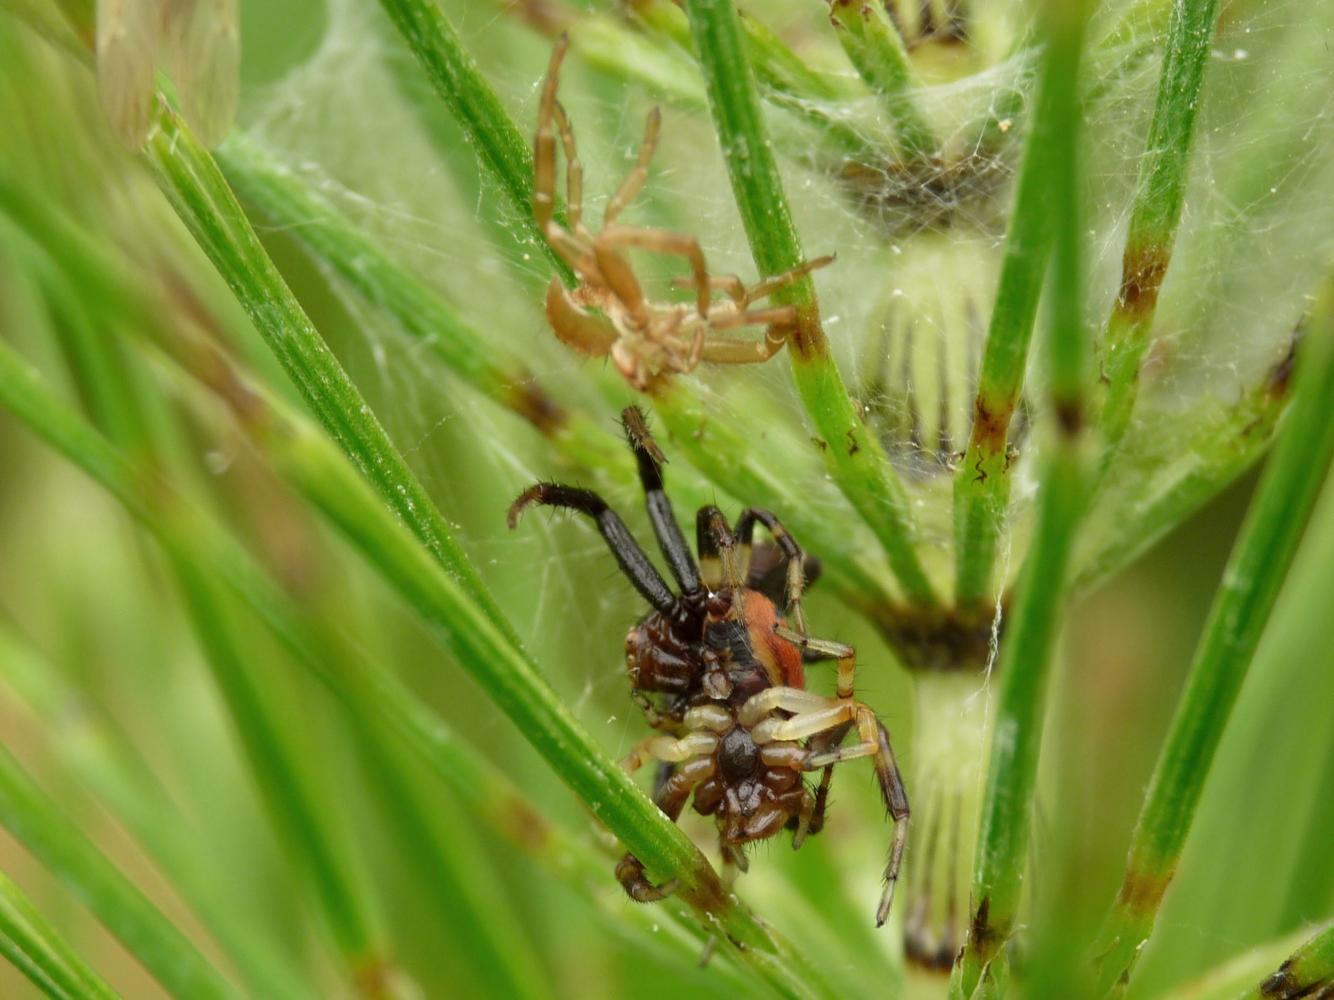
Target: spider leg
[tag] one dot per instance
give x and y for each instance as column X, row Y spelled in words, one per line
column 671, row 799
column 723, row 317
column 816, row 650
column 719, row 555
column 669, row 749
column 834, row 714
column 615, row 237
column 544, row 145
column 574, row 169
column 660, row 514
column 631, row 558
column 634, row 180
column 767, row 286
column 796, row 580
column 731, row 284
column 586, row 332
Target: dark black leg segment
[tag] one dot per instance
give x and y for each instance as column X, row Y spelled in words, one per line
column 633, row 562
column 660, row 514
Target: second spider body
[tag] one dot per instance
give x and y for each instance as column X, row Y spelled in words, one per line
column 609, row 314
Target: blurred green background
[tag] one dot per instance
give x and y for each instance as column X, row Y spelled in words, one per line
column 100, row 662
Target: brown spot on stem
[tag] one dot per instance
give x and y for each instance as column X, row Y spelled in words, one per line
column 991, row 424
column 1279, row 379
column 530, row 401
column 982, row 935
column 853, row 446
column 1141, row 892
column 524, row 825
column 1069, row 416
column 805, row 337
column 1281, row 984
column 1142, row 271
column 935, row 640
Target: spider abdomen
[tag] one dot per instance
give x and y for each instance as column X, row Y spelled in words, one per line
column 738, row 756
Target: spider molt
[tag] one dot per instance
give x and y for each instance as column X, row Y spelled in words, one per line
column 608, row 313
column 720, row 674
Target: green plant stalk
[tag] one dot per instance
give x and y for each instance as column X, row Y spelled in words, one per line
column 293, row 807
column 853, row 455
column 1308, row 971
column 41, row 954
column 487, row 366
column 778, row 67
column 173, row 961
column 291, row 804
column 101, row 759
column 199, row 193
column 475, row 106
column 606, row 42
column 1156, row 212
column 1223, row 982
column 1028, row 646
column 782, row 70
column 876, row 51
column 617, row 801
column 982, row 484
column 1214, row 461
column 710, row 444
column 1260, row 559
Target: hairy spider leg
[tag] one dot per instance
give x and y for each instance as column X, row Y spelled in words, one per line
column 742, row 296
column 796, row 559
column 632, row 559
column 671, row 799
column 671, row 541
column 719, row 555
column 812, row 715
column 818, row 650
column 634, row 180
column 616, row 237
column 574, row 171
column 544, row 145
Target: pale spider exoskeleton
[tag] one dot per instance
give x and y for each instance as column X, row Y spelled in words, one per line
column 608, row 314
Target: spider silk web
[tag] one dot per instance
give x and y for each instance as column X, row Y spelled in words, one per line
column 905, row 306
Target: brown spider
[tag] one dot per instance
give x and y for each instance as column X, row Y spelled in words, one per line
column 740, row 730
column 608, row 313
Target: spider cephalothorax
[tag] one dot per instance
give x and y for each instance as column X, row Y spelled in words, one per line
column 738, row 729
column 608, row 313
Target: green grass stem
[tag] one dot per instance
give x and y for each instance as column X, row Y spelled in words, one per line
column 1216, row 458
column 197, row 190
column 362, row 686
column 873, row 46
column 98, row 757
column 472, row 102
column 1260, row 559
column 853, row 454
column 1156, row 212
column 982, row 484
column 1308, row 972
column 1027, row 648
column 27, row 812
column 36, row 950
